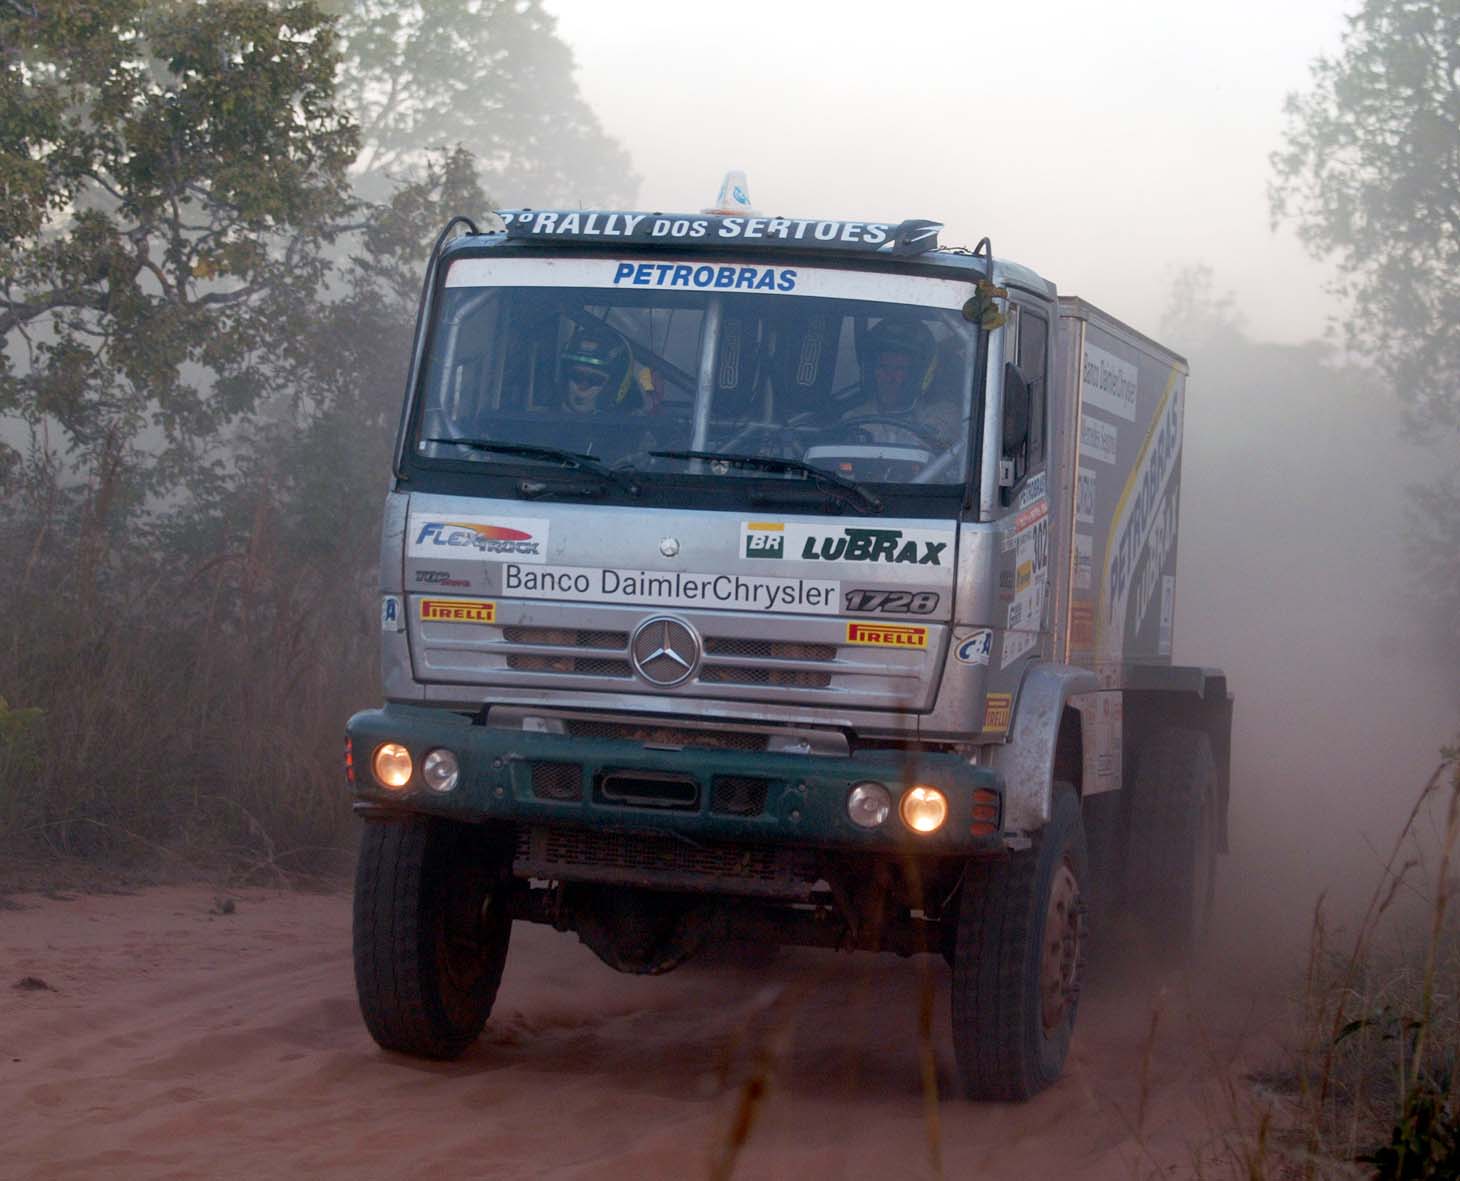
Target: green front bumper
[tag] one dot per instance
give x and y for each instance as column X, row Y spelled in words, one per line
column 805, row 796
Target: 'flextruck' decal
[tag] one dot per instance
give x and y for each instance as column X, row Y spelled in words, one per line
column 493, row 538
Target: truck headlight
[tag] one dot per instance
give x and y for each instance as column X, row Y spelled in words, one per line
column 391, row 764
column 923, row 809
column 869, row 804
column 440, row 770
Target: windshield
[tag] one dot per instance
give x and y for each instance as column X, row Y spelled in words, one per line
column 864, row 375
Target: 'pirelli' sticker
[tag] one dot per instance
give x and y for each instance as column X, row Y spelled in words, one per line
column 458, row 611
column 996, row 711
column 887, row 635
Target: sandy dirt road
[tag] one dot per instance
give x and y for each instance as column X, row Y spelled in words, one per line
column 174, row 1041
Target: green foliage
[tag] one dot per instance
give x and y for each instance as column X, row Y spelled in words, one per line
column 488, row 74
column 206, row 335
column 1424, row 1144
column 172, row 175
column 1370, row 173
column 21, row 739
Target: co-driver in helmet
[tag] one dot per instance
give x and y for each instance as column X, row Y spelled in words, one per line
column 899, row 361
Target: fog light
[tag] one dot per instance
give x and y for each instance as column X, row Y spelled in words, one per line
column 440, row 771
column 924, row 809
column 869, row 804
column 391, row 764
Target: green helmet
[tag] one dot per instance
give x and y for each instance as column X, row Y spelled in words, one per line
column 597, row 367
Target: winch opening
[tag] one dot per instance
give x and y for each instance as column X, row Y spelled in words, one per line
column 648, row 789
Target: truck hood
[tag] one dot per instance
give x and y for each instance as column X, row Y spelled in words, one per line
column 841, row 611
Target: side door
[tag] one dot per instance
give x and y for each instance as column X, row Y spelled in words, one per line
column 1024, row 501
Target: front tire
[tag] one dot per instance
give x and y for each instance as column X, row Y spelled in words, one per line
column 431, row 931
column 1018, row 960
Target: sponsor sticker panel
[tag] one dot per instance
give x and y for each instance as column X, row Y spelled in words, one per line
column 1085, row 496
column 677, row 274
column 1034, row 490
column 998, row 709
column 1143, row 528
column 1082, row 627
column 887, row 635
column 1109, row 383
column 458, row 611
column 976, row 648
column 1101, row 715
column 493, row 539
column 443, row 578
column 930, row 550
column 1098, row 439
column 1084, row 562
column 650, row 588
column 1025, row 618
column 392, row 616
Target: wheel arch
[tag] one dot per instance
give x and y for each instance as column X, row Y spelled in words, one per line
column 1044, row 743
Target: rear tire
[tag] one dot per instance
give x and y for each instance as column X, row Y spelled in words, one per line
column 1018, row 960
column 1171, row 860
column 430, row 933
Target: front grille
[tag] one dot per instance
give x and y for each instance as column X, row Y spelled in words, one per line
column 631, row 858
column 738, row 795
column 557, row 781
column 678, row 736
column 734, row 674
column 740, row 659
column 566, row 637
column 583, row 666
column 768, row 649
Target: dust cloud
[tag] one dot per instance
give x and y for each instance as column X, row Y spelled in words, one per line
column 1293, row 577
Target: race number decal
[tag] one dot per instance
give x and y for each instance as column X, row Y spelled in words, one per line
column 866, row 602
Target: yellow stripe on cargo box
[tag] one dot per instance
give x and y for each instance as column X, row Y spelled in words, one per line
column 887, row 635
column 458, row 611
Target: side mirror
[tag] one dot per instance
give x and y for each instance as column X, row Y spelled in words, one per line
column 1016, row 409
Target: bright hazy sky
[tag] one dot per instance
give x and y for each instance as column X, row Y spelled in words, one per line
column 1105, row 144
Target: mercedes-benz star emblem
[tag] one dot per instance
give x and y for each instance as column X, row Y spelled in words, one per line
column 669, row 547
column 664, row 650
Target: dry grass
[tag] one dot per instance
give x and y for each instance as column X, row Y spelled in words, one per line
column 169, row 715
column 1372, row 1089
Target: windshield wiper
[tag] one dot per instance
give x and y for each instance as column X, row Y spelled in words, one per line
column 848, row 490
column 573, row 459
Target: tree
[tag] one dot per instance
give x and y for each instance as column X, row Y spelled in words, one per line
column 1369, row 171
column 491, row 75
column 170, row 175
column 205, row 338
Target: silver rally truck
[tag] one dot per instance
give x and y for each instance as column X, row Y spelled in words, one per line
column 787, row 581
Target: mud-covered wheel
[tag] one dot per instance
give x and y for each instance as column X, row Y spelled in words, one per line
column 1018, row 957
column 431, row 932
column 1171, row 860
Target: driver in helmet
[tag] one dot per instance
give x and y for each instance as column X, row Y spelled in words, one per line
column 598, row 373
column 899, row 361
